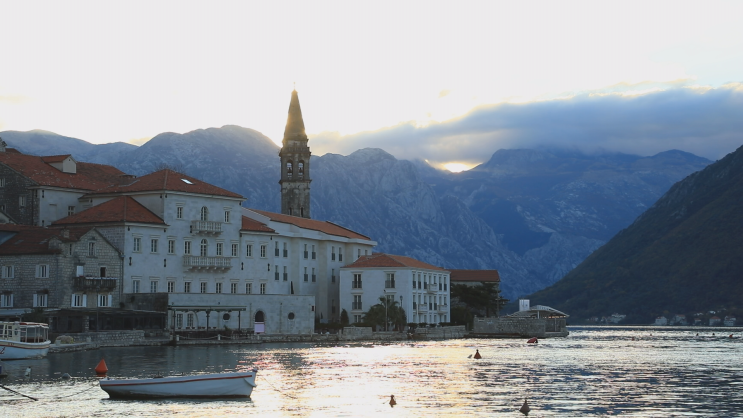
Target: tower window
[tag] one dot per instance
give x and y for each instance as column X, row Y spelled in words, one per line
column 300, row 170
column 289, row 169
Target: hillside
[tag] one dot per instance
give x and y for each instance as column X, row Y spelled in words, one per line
column 682, row 256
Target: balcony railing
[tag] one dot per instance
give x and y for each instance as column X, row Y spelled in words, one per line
column 206, row 227
column 192, row 262
column 94, row 283
column 356, row 306
column 422, row 307
column 443, row 308
column 432, row 288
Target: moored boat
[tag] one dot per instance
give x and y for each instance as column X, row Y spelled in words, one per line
column 215, row 385
column 23, row 340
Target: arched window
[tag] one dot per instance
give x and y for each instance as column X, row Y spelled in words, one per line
column 259, row 316
column 204, row 247
column 204, row 214
column 289, row 169
column 300, row 167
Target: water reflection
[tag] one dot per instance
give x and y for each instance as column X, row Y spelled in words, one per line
column 643, row 372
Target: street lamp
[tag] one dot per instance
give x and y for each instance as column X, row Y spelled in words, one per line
column 403, row 308
column 386, row 301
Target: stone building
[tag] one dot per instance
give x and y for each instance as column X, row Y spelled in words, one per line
column 295, row 164
column 68, row 268
column 420, row 288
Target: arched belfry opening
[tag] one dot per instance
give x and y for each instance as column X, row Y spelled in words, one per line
column 295, row 162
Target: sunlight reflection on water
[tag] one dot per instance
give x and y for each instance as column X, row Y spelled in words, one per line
column 642, row 372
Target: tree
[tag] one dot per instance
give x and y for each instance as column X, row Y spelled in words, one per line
column 344, row 317
column 388, row 310
column 485, row 297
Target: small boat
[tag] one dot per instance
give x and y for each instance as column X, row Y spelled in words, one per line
column 215, row 385
column 23, row 340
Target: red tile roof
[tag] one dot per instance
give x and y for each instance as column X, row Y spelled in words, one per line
column 88, row 177
column 35, row 240
column 168, row 180
column 474, row 275
column 253, row 225
column 55, row 158
column 322, row 226
column 120, row 209
column 389, row 260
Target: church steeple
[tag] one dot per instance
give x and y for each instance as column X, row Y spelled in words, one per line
column 295, row 164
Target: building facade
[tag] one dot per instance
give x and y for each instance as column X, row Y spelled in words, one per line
column 295, row 164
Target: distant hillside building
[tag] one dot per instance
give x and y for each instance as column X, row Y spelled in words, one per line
column 714, row 321
column 295, row 164
column 661, row 320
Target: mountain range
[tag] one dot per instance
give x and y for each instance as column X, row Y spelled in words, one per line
column 531, row 214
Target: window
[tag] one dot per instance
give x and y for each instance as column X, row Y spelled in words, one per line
column 135, row 286
column 332, row 275
column 249, row 288
column 263, row 288
column 41, row 300
column 286, row 252
column 153, row 286
column 233, row 287
column 234, row 249
column 187, row 247
column 22, row 201
column 70, row 210
column 42, row 271
column 356, row 284
column 220, row 246
column 189, row 320
column 153, row 245
column 78, row 300
column 226, row 216
column 204, row 214
column 137, row 244
column 286, row 275
column 69, row 249
column 314, row 278
column 179, row 320
column 218, row 288
column 204, row 247
column 8, row 272
column 276, row 250
column 171, row 286
column 179, row 212
column 6, row 300
column 249, row 250
column 306, row 253
column 91, row 249
column 306, row 276
column 358, row 254
column 389, row 283
column 103, row 300
column 314, row 255
column 263, row 250
column 276, row 272
column 2, row 181
column 187, row 287
column 340, row 254
column 356, row 319
column 356, row 303
column 203, row 287
column 171, row 246
column 332, row 254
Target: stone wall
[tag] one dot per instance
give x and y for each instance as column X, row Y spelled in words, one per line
column 520, row 327
column 440, row 333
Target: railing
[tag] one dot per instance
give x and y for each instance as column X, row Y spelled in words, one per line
column 443, row 308
column 193, row 262
column 432, row 289
column 94, row 283
column 356, row 284
column 206, row 227
column 356, row 306
column 422, row 307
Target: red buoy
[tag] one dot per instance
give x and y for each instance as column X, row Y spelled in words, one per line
column 532, row 340
column 477, row 354
column 101, row 367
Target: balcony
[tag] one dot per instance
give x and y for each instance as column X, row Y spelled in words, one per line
column 94, row 283
column 356, row 306
column 192, row 262
column 431, row 288
column 422, row 307
column 206, row 227
column 443, row 309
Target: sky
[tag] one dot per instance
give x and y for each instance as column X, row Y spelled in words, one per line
column 447, row 82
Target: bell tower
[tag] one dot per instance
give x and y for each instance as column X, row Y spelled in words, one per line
column 295, row 164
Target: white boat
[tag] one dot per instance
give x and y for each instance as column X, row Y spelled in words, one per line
column 216, row 385
column 23, row 340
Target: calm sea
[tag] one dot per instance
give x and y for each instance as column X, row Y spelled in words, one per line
column 627, row 371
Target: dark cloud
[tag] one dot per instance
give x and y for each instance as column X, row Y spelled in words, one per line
column 706, row 122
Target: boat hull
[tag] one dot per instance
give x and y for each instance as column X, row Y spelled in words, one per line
column 218, row 385
column 14, row 350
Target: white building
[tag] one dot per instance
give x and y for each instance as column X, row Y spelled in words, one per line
column 420, row 288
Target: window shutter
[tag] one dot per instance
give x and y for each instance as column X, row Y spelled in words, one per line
column 85, row 301
column 110, row 299
column 72, row 301
column 36, row 300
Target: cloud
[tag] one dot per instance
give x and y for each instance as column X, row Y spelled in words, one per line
column 703, row 121
column 139, row 141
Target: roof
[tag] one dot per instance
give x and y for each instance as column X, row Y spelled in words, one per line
column 120, row 209
column 539, row 311
column 55, row 158
column 311, row 224
column 474, row 275
column 294, row 129
column 168, row 180
column 35, row 239
column 255, row 226
column 88, row 177
column 389, row 260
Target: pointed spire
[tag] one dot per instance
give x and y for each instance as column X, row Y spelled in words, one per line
column 294, row 124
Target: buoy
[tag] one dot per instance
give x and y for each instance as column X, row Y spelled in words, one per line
column 66, row 376
column 731, row 335
column 101, row 367
column 532, row 340
column 477, row 354
column 525, row 408
column 393, row 402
